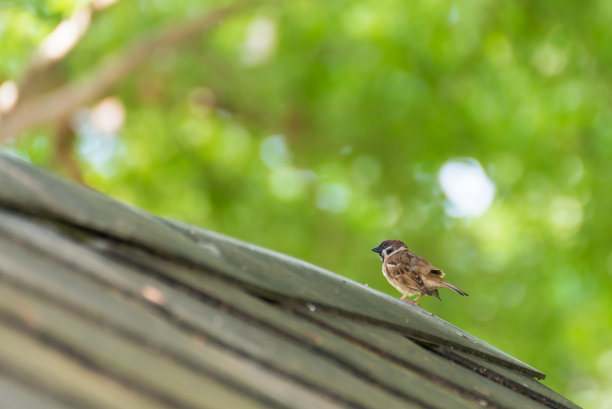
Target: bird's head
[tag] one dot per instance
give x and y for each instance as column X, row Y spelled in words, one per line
column 387, row 247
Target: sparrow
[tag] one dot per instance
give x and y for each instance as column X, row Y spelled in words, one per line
column 410, row 273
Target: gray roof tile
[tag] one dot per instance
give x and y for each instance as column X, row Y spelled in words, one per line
column 103, row 305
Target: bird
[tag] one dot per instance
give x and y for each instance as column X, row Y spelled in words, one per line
column 410, row 273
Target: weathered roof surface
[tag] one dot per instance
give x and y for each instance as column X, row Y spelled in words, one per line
column 103, row 306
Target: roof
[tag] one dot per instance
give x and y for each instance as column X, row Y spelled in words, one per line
column 105, row 306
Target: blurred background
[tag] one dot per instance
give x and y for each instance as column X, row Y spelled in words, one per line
column 479, row 132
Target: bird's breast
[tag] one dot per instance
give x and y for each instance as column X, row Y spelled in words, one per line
column 384, row 271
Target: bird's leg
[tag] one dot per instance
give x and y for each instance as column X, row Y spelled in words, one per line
column 418, row 298
column 409, row 301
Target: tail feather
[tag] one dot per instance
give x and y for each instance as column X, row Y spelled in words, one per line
column 455, row 289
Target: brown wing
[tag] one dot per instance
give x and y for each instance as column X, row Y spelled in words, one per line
column 424, row 266
column 405, row 267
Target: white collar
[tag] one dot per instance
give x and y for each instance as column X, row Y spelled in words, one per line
column 398, row 250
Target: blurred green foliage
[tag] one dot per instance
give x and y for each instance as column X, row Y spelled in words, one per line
column 319, row 129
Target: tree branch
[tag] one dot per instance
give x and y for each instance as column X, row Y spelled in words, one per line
column 63, row 153
column 67, row 99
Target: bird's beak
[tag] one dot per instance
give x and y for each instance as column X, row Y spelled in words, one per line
column 376, row 249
